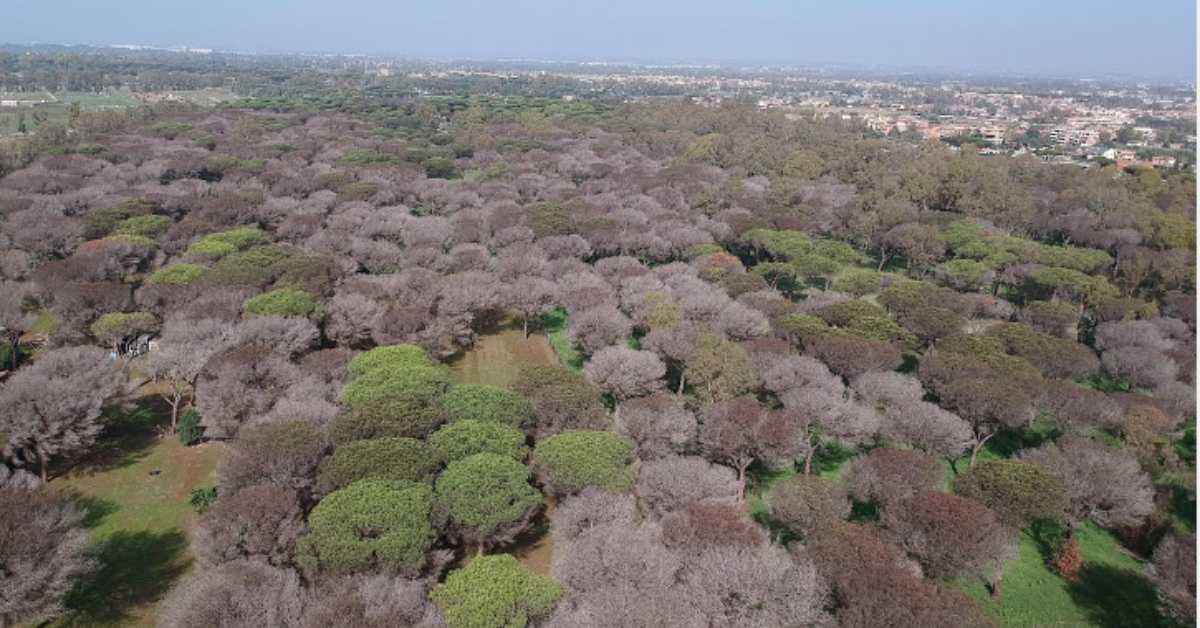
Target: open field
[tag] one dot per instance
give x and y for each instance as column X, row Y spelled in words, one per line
column 498, row 356
column 136, row 488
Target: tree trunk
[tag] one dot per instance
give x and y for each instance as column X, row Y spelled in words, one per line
column 16, row 341
column 175, row 413
column 997, row 587
column 742, row 483
column 883, row 260
column 526, row 326
column 682, row 380
column 42, row 463
column 979, row 446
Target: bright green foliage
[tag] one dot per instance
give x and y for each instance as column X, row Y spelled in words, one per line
column 780, row 245
column 964, row 274
column 841, row 314
column 190, row 431
column 218, row 245
column 485, row 492
column 720, row 369
column 779, row 274
column 406, row 459
column 140, row 244
column 481, row 402
column 1020, row 493
column 202, row 498
column 836, row 251
column 881, row 328
column 495, row 592
column 1169, row 231
column 858, row 281
column 574, row 460
column 1074, row 257
column 961, row 233
column 700, row 250
column 799, row 327
column 1055, row 313
column 147, row 226
column 285, row 302
column 813, row 267
column 255, row 267
column 370, row 525
column 114, row 326
column 465, row 438
column 177, row 275
column 1070, row 284
column 100, row 222
column 388, row 357
column 549, row 219
column 392, row 401
column 905, row 295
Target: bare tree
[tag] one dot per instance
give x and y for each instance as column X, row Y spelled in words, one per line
column 42, row 543
column 239, row 594
column 53, row 407
column 739, row 431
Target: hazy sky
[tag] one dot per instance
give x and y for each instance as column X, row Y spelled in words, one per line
column 1155, row 39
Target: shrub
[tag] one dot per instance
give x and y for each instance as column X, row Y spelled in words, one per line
column 218, row 245
column 398, row 401
column 549, row 219
column 807, row 502
column 486, row 496
column 114, row 326
column 388, row 356
column 1020, row 493
column 177, row 275
column 495, row 592
column 404, row 459
column 465, row 438
column 575, row 460
column 253, row 268
column 370, row 525
column 284, row 302
column 481, row 402
column 190, row 432
column 147, row 226
column 202, row 498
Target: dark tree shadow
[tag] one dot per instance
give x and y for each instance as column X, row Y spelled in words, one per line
column 1116, row 598
column 130, row 431
column 95, row 509
column 134, row 568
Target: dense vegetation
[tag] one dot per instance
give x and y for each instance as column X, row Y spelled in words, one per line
column 826, row 377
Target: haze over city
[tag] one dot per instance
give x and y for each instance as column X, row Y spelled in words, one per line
column 1073, row 38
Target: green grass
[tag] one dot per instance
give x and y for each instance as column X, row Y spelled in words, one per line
column 1112, row 590
column 139, row 522
column 499, row 354
column 554, row 325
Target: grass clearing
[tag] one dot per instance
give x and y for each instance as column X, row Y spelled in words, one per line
column 1112, row 590
column 500, row 353
column 139, row 522
column 496, row 359
column 554, row 325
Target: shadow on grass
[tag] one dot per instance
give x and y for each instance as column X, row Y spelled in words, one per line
column 1116, row 598
column 130, row 431
column 95, row 509
column 135, row 568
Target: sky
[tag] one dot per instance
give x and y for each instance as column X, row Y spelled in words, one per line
column 1155, row 39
